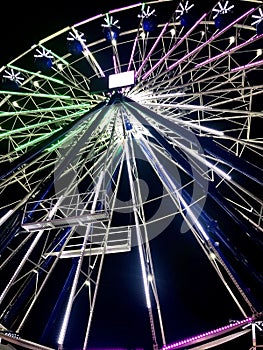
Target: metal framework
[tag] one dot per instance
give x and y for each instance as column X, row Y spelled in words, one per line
column 86, row 173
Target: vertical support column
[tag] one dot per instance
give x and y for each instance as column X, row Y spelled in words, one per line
column 140, row 245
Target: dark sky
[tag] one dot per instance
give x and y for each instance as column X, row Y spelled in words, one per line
column 27, row 23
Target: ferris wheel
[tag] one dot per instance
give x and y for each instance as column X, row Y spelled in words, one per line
column 114, row 131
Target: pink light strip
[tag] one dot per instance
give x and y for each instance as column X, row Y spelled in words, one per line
column 125, row 8
column 213, row 37
column 246, row 66
column 173, row 48
column 209, row 334
column 153, row 47
column 103, row 14
column 233, row 49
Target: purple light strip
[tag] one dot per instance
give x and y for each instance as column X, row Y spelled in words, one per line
column 233, row 49
column 173, row 48
column 246, row 66
column 113, row 349
column 103, row 14
column 153, row 47
column 125, row 8
column 89, row 20
column 209, row 334
column 213, row 37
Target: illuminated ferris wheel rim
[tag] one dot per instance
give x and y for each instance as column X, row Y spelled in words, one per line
column 102, row 17
column 155, row 96
column 150, row 112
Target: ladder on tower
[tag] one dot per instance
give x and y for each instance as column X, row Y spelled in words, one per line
column 78, row 210
column 65, row 211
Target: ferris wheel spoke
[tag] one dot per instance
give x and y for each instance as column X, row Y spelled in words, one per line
column 92, row 174
column 213, row 37
column 229, row 51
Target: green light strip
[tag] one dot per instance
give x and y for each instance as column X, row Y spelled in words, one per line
column 54, row 146
column 50, row 109
column 30, row 143
column 34, row 94
column 71, row 134
column 58, row 57
column 32, row 126
column 66, row 137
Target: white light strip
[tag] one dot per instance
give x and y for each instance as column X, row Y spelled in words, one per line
column 199, row 127
column 6, row 216
column 246, row 66
column 138, row 233
column 171, row 186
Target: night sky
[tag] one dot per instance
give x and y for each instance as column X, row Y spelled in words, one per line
column 27, row 23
